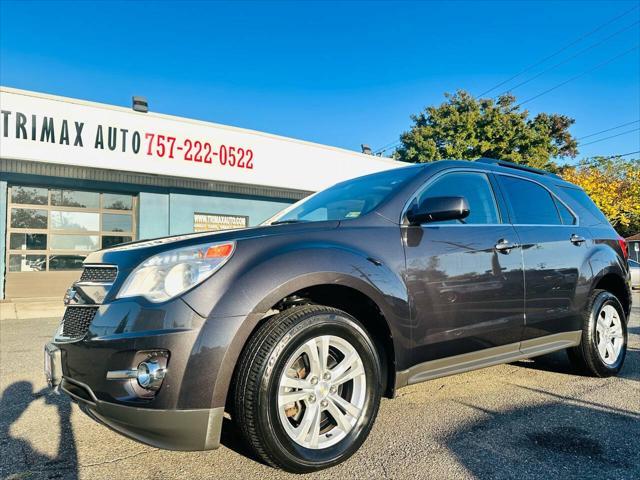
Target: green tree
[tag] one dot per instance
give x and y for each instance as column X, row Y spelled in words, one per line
column 467, row 128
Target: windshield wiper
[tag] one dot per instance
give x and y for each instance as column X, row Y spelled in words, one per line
column 282, row 222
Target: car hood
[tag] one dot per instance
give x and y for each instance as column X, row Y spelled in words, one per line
column 131, row 254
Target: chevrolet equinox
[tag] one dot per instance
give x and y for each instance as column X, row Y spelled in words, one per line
column 295, row 329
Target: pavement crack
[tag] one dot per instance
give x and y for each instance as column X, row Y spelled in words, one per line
column 118, row 459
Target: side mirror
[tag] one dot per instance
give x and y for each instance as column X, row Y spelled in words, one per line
column 437, row 209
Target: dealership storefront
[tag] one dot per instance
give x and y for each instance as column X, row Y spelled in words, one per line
column 78, row 176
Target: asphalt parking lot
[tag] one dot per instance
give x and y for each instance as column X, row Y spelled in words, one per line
column 530, row 419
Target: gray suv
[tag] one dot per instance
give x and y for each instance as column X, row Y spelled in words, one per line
column 295, row 329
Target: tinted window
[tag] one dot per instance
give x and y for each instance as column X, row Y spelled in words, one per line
column 475, row 187
column 72, row 198
column 114, row 222
column 29, row 195
column 66, row 262
column 530, row 203
column 27, row 263
column 28, row 241
column 586, row 203
column 28, row 218
column 111, row 240
column 117, row 202
column 350, row 199
column 565, row 214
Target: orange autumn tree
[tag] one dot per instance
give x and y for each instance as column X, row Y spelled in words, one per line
column 614, row 185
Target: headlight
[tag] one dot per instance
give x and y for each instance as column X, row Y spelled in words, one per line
column 170, row 273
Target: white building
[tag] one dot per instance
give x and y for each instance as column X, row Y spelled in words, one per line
column 77, row 176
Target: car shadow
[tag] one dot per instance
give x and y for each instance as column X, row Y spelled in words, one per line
column 562, row 438
column 558, row 362
column 19, row 458
column 232, row 439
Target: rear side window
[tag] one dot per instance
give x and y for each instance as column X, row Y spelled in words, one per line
column 475, row 187
column 582, row 199
column 529, row 202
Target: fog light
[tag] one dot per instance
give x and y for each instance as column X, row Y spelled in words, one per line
column 150, row 375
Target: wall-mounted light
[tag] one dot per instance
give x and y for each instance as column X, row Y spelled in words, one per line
column 366, row 149
column 139, row 104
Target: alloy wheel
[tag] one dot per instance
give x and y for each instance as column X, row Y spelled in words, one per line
column 322, row 392
column 609, row 334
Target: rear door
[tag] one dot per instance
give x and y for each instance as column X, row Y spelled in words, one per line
column 466, row 294
column 553, row 249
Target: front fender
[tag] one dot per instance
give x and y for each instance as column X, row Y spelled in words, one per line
column 255, row 290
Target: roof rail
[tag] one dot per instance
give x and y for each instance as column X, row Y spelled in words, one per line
column 517, row 166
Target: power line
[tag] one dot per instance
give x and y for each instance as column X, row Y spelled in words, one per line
column 610, row 136
column 568, row 59
column 622, row 155
column 386, row 147
column 607, row 130
column 600, row 65
column 557, row 52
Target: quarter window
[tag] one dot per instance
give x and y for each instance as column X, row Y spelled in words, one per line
column 475, row 187
column 530, row 203
column 565, row 214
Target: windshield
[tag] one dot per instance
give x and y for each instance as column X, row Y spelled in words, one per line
column 350, row 199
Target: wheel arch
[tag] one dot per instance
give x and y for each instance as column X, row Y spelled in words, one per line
column 608, row 272
column 352, row 295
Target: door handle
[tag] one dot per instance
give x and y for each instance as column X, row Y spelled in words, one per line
column 504, row 246
column 577, row 239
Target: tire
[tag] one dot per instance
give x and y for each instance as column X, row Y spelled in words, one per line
column 272, row 354
column 586, row 357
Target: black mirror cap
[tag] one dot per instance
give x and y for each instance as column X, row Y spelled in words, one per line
column 438, row 209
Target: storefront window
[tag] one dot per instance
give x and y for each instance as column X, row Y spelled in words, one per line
column 89, row 222
column 28, row 218
column 111, row 240
column 54, row 229
column 27, row 263
column 114, row 222
column 72, row 198
column 112, row 201
column 66, row 262
column 29, row 195
column 74, row 242
column 28, row 241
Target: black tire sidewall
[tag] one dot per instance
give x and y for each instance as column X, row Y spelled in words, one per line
column 601, row 300
column 288, row 452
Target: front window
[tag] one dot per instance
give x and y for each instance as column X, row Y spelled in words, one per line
column 346, row 200
column 475, row 187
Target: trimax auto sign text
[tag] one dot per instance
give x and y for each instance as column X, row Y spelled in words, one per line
column 72, row 133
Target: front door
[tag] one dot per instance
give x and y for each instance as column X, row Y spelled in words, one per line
column 465, row 278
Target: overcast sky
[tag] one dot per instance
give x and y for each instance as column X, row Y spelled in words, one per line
column 338, row 73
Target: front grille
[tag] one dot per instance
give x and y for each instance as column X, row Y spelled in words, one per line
column 76, row 321
column 99, row 274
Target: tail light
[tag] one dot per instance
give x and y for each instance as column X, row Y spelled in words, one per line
column 623, row 246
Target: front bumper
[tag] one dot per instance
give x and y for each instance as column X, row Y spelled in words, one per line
column 194, row 429
column 169, row 429
column 180, row 416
